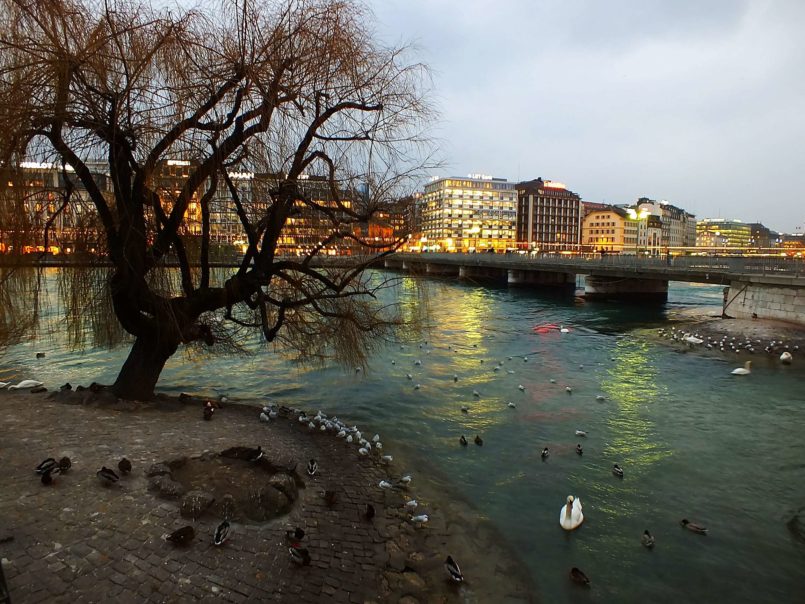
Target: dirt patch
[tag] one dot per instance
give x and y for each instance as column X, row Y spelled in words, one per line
column 227, row 485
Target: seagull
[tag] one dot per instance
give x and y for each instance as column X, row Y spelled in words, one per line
column 384, row 484
column 521, row 388
column 600, row 397
column 264, row 418
column 221, row 533
column 581, row 433
column 387, row 458
column 405, row 479
column 568, row 389
column 411, row 504
column 419, row 520
column 476, row 394
column 511, row 404
column 417, row 362
column 409, row 376
column 418, row 386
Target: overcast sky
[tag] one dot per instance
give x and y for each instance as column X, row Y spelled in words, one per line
column 698, row 102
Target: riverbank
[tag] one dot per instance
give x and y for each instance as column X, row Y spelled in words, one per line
column 767, row 337
column 79, row 538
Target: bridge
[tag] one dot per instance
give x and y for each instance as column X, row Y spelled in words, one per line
column 755, row 286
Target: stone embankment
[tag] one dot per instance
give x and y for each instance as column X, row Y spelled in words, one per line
column 81, row 540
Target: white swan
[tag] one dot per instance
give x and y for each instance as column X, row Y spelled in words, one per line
column 25, row 384
column 786, row 358
column 692, row 340
column 570, row 516
column 563, row 329
column 745, row 370
column 4, row 384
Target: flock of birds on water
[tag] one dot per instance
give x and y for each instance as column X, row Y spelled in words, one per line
column 571, row 514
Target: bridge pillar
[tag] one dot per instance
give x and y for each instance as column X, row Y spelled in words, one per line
column 746, row 300
column 482, row 273
column 441, row 269
column 634, row 290
column 540, row 278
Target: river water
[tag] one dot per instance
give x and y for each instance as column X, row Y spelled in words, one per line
column 694, row 441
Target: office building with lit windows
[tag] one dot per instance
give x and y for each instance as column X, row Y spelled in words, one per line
column 548, row 216
column 719, row 232
column 476, row 213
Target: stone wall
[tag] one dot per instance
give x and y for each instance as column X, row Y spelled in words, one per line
column 746, row 300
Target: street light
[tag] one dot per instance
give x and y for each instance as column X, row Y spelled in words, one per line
column 638, row 216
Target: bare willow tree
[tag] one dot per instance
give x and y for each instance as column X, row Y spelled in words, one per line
column 294, row 89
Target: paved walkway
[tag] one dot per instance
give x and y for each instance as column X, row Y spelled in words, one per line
column 77, row 541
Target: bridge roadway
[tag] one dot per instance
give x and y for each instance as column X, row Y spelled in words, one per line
column 696, row 269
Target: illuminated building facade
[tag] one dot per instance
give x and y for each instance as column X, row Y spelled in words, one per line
column 608, row 228
column 549, row 216
column 468, row 214
column 678, row 226
column 719, row 232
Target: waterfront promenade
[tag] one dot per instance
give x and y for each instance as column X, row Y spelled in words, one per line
column 79, row 541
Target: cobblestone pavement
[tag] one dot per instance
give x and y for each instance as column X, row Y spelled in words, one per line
column 78, row 541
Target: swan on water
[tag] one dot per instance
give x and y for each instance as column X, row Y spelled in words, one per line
column 786, row 358
column 571, row 517
column 25, row 384
column 745, row 370
column 563, row 329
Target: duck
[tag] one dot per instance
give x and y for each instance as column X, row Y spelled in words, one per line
column 617, row 470
column 221, row 533
column 47, row 478
column 786, row 358
column 47, row 465
column 107, row 476
column 545, row 453
column 455, row 377
column 463, row 440
column 647, row 539
column 511, row 405
column 694, row 528
column 479, row 441
column 600, row 397
column 453, row 570
column 465, row 409
column 299, row 555
column 25, row 384
column 64, row 464
column 476, row 394
column 579, row 450
column 208, row 410
column 369, row 512
column 745, row 370
column 124, row 465
column 578, row 576
column 312, row 467
column 571, row 516
column 581, row 433
column 255, row 455
column 181, row 536
column 409, row 376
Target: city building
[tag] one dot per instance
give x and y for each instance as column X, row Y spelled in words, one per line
column 609, row 229
column 549, row 216
column 476, row 213
column 678, row 226
column 720, row 232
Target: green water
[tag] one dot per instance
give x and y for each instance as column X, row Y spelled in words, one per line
column 694, row 441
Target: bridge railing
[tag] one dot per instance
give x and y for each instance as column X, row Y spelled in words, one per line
column 782, row 266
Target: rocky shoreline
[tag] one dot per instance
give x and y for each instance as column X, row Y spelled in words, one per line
column 747, row 338
column 387, row 559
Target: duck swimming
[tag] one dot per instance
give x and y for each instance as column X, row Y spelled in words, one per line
column 647, row 539
column 694, row 528
column 786, row 358
column 617, row 470
column 479, row 441
column 453, row 570
column 463, row 441
column 579, row 450
column 545, row 453
column 571, row 516
column 577, row 576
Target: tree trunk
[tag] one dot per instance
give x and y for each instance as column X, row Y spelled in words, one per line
column 140, row 372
